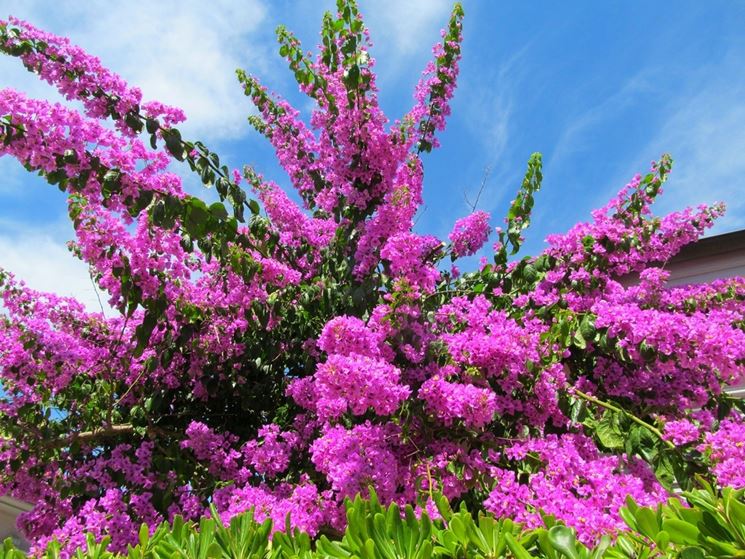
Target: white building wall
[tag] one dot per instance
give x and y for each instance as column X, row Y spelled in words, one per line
column 9, row 510
column 705, row 269
column 721, row 256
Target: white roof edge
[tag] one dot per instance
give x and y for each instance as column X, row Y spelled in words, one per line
column 14, row 506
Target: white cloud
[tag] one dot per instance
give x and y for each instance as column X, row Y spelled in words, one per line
column 405, row 27
column 183, row 53
column 706, row 137
column 41, row 259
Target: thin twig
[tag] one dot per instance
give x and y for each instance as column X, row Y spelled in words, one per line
column 95, row 290
column 420, row 214
column 487, row 172
column 651, row 428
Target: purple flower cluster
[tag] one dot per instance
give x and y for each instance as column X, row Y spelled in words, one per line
column 573, row 482
column 353, row 459
column 450, row 401
column 726, row 449
column 470, row 233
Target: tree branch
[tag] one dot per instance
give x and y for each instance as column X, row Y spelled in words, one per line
column 103, row 432
column 651, row 428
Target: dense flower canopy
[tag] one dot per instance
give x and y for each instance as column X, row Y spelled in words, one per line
column 284, row 356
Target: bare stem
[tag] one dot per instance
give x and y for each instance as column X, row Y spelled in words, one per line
column 103, row 432
column 651, row 428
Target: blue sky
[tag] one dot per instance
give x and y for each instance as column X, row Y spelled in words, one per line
column 600, row 88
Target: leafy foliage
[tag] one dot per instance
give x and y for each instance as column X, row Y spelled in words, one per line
column 283, row 357
column 705, row 526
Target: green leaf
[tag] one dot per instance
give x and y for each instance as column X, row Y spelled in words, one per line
column 70, row 156
column 133, row 121
column 143, row 332
column 587, row 327
column 151, row 125
column 662, row 539
column 609, row 432
column 352, row 77
column 219, row 211
column 518, row 215
column 692, row 553
column 646, row 520
column 563, row 539
column 144, row 535
column 681, row 532
column 517, row 550
column 172, row 138
column 578, row 340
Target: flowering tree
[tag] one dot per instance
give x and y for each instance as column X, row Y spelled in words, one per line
column 285, row 359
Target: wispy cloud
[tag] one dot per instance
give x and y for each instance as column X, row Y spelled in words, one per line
column 401, row 28
column 490, row 105
column 40, row 257
column 698, row 117
column 578, row 135
column 702, row 125
column 491, row 101
column 705, row 133
column 403, row 33
column 183, row 53
column 584, row 129
column 489, row 116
